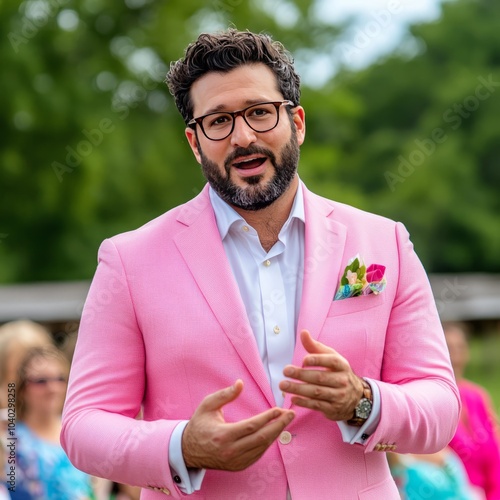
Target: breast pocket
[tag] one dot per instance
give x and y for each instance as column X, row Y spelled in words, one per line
column 355, row 304
column 355, row 328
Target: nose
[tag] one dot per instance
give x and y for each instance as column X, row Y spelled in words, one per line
column 242, row 134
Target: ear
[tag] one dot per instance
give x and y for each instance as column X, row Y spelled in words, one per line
column 193, row 142
column 299, row 119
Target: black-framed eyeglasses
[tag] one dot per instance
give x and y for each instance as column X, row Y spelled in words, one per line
column 261, row 117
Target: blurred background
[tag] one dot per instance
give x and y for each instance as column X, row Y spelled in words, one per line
column 402, row 101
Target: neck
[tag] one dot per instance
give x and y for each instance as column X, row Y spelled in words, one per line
column 45, row 425
column 269, row 220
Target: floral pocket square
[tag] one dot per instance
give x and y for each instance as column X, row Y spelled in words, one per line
column 361, row 280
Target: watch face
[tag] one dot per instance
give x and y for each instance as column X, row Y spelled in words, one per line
column 364, row 408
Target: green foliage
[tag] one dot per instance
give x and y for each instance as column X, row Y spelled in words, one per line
column 483, row 367
column 92, row 144
column 353, row 267
column 422, row 140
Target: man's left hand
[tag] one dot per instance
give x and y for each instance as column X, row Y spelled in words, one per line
column 325, row 383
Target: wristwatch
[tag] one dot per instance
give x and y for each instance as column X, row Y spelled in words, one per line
column 364, row 407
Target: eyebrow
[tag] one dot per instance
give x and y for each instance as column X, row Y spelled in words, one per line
column 223, row 108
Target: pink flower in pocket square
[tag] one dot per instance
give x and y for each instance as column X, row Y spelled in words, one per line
column 359, row 280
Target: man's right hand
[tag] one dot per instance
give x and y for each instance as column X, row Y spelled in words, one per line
column 209, row 442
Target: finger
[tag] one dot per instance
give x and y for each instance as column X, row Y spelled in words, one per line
column 328, row 378
column 333, row 361
column 331, row 409
column 250, row 448
column 318, row 405
column 267, row 434
column 254, row 424
column 218, row 399
column 313, row 346
column 311, row 391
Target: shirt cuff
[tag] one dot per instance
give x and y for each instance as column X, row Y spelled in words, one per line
column 187, row 480
column 359, row 435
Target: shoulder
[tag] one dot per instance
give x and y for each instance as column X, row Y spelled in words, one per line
column 473, row 392
column 353, row 214
column 23, row 431
column 161, row 231
column 469, row 387
column 355, row 219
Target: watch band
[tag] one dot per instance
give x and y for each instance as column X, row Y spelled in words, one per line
column 366, row 398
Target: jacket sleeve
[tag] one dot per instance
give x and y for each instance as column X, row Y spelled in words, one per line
column 420, row 402
column 100, row 432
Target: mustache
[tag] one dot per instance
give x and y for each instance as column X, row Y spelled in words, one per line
column 251, row 150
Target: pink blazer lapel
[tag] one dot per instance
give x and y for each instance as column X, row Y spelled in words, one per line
column 201, row 247
column 324, row 248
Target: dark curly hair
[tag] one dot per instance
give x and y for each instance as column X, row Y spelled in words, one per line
column 223, row 52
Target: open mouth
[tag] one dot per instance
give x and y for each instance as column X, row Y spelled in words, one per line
column 250, row 163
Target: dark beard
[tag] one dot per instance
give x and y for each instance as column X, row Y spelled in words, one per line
column 253, row 197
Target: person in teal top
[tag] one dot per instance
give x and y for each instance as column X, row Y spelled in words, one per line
column 440, row 476
column 46, row 470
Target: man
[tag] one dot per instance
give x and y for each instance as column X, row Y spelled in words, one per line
column 219, row 318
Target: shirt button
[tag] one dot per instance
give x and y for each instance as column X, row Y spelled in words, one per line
column 246, row 229
column 285, row 437
column 276, row 329
column 267, row 263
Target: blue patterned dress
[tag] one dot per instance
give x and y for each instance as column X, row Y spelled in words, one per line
column 44, row 471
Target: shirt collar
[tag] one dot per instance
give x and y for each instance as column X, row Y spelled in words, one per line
column 226, row 216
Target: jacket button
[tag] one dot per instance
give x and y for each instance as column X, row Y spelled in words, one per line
column 285, row 437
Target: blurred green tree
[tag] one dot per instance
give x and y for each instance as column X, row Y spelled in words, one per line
column 92, row 144
column 418, row 138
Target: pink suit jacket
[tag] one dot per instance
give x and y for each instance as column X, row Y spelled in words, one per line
column 164, row 326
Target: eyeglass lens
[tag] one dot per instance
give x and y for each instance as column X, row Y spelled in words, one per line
column 46, row 380
column 261, row 118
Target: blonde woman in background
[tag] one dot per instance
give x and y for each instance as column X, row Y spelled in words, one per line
column 16, row 338
column 43, row 467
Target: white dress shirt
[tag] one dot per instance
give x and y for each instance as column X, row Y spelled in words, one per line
column 270, row 284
